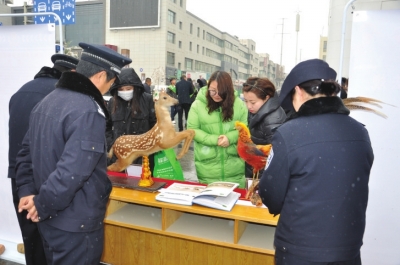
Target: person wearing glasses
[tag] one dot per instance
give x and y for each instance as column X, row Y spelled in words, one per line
column 212, row 116
column 265, row 112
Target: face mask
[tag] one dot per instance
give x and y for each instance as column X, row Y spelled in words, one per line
column 126, row 95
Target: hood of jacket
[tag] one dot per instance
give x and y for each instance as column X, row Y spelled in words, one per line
column 127, row 77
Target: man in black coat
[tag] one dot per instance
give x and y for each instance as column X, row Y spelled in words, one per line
column 184, row 89
column 147, row 85
column 61, row 170
column 20, row 107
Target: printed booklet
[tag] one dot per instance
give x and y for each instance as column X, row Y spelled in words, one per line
column 218, row 195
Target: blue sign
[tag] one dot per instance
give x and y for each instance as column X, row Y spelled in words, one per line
column 64, row 8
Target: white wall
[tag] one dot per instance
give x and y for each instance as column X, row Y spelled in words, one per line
column 23, row 51
column 374, row 72
column 336, row 9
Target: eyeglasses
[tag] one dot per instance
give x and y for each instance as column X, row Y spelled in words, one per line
column 212, row 92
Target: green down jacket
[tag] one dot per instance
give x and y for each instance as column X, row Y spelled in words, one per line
column 213, row 162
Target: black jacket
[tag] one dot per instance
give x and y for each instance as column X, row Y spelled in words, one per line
column 20, row 107
column 147, row 88
column 63, row 159
column 317, row 180
column 268, row 117
column 262, row 124
column 184, row 89
column 121, row 111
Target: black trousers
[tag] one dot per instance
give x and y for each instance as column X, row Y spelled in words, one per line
column 184, row 107
column 284, row 258
column 71, row 248
column 34, row 251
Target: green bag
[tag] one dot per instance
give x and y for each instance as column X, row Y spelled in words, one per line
column 166, row 165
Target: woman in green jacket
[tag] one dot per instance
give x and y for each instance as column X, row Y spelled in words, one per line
column 212, row 116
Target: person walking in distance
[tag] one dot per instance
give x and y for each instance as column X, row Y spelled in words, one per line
column 184, row 89
column 147, row 85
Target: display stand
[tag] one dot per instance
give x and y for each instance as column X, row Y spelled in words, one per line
column 141, row 230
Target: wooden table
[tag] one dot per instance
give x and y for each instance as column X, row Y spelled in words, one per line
column 141, row 230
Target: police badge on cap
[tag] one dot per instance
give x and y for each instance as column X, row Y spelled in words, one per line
column 103, row 57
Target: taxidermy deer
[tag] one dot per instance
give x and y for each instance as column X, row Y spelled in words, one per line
column 162, row 136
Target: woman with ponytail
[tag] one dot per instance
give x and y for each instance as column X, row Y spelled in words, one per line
column 317, row 173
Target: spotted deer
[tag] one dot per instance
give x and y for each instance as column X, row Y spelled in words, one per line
column 162, row 136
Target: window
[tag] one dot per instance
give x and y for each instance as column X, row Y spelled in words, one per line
column 170, row 37
column 188, row 64
column 213, row 54
column 173, row 1
column 204, row 34
column 198, row 48
column 215, row 40
column 181, row 3
column 179, row 66
column 180, row 24
column 190, row 46
column 325, row 45
column 191, row 28
column 171, row 16
column 205, row 67
column 198, row 32
column 324, row 57
column 170, row 59
column 180, row 44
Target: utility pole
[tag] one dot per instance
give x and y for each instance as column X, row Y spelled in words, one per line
column 283, row 25
column 25, row 11
column 297, row 33
column 279, row 79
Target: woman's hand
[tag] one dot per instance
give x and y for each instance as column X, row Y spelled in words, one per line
column 223, row 141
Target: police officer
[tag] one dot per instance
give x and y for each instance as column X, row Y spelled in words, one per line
column 318, row 172
column 61, row 170
column 20, row 106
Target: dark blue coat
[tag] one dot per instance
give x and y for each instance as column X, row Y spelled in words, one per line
column 317, row 180
column 21, row 105
column 63, row 160
column 184, row 89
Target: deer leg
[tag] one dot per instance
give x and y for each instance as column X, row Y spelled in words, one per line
column 188, row 139
column 121, row 164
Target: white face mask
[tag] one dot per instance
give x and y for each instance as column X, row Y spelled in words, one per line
column 126, row 95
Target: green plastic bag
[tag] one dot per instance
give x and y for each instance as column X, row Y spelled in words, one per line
column 166, row 165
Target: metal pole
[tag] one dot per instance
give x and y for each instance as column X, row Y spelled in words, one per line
column 342, row 41
column 283, row 22
column 42, row 13
column 297, row 33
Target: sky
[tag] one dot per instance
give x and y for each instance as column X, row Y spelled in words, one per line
column 261, row 21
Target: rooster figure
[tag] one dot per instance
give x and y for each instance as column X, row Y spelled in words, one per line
column 254, row 155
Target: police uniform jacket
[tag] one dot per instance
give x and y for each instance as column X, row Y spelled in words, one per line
column 63, row 160
column 30, row 94
column 317, row 180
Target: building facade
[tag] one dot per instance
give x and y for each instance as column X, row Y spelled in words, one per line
column 164, row 40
